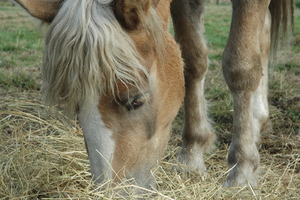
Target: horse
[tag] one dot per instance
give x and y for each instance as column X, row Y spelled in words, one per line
column 115, row 64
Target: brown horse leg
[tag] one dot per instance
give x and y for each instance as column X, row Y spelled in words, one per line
column 245, row 61
column 188, row 19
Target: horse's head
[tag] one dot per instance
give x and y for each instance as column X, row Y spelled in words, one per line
column 117, row 63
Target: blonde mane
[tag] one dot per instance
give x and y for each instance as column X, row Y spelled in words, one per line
column 87, row 52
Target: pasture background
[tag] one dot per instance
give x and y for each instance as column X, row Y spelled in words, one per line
column 42, row 153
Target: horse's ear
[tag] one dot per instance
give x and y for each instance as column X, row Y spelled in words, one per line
column 131, row 13
column 44, row 10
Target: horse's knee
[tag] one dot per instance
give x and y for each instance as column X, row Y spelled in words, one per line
column 196, row 61
column 242, row 74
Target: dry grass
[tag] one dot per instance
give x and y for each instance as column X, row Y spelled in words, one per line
column 43, row 157
column 42, row 153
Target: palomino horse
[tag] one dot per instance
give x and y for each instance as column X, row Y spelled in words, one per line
column 115, row 64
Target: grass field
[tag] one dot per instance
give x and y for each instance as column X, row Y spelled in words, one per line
column 42, row 153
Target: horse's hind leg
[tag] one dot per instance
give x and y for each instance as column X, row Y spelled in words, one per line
column 245, row 62
column 188, row 19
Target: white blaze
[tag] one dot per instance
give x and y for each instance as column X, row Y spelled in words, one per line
column 99, row 143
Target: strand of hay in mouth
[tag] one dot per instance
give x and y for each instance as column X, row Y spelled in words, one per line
column 42, row 156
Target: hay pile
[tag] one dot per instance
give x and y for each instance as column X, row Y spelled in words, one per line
column 42, row 156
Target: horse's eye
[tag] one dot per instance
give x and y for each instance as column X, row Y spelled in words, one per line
column 137, row 102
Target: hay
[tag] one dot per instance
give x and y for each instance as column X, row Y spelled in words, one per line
column 42, row 156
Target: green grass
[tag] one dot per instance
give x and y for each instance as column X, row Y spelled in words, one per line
column 18, row 80
column 21, row 49
column 217, row 24
column 21, row 40
column 297, row 3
